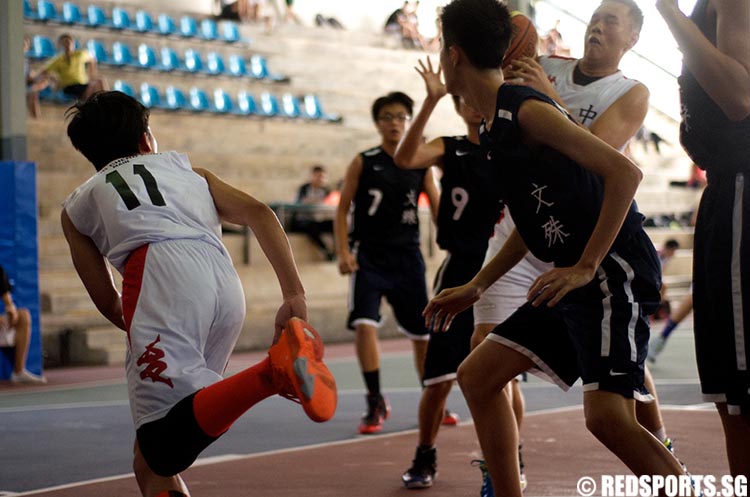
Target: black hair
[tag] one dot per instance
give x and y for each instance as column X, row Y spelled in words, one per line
column 318, row 169
column 394, row 97
column 107, row 126
column 636, row 15
column 482, row 28
column 672, row 244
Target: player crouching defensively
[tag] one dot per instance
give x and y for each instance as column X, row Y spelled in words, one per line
column 158, row 222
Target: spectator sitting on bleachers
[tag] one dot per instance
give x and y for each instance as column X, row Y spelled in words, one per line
column 34, row 84
column 314, row 224
column 75, row 70
column 404, row 21
column 237, row 10
column 15, row 331
column 666, row 252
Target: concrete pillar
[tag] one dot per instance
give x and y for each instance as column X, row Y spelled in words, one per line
column 524, row 6
column 12, row 84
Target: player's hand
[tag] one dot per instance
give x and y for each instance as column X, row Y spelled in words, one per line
column 431, row 76
column 347, row 263
column 526, row 71
column 553, row 285
column 440, row 311
column 664, row 6
column 293, row 307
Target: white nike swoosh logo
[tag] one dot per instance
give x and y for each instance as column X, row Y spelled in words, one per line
column 462, row 152
column 612, row 372
column 377, row 168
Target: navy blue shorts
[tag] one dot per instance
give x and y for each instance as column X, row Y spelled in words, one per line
column 397, row 274
column 598, row 332
column 721, row 291
column 448, row 349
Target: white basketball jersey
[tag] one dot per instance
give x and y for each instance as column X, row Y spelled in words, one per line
column 144, row 199
column 586, row 103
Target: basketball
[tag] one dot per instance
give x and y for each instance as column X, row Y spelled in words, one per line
column 524, row 41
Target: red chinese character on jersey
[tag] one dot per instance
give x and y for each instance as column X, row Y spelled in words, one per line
column 152, row 357
column 552, row 79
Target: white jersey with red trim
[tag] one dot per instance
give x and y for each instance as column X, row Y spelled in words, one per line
column 144, row 199
column 586, row 103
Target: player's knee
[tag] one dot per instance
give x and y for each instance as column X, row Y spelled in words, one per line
column 470, row 380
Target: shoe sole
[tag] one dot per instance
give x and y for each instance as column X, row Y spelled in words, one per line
column 370, row 429
column 417, row 485
column 313, row 383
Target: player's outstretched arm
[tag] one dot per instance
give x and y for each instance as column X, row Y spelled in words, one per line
column 236, row 206
column 411, row 153
column 94, row 272
column 433, row 193
column 723, row 71
column 346, row 260
column 441, row 310
column 543, row 124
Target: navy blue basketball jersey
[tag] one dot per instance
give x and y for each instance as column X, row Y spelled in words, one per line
column 554, row 201
column 710, row 138
column 470, row 203
column 385, row 204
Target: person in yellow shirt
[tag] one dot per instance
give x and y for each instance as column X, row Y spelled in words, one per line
column 75, row 70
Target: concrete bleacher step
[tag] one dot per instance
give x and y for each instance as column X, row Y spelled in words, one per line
column 684, row 236
column 100, row 345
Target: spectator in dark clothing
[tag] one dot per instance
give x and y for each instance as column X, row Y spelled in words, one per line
column 309, row 220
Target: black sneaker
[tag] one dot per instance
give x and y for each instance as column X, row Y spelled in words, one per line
column 423, row 469
column 378, row 410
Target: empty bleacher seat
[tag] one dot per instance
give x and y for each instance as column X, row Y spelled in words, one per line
column 46, row 11
column 259, row 70
column 222, row 102
column 174, row 98
column 214, row 64
column 209, row 30
column 97, row 18
column 120, row 18
column 71, row 14
column 198, row 101
column 192, row 61
column 269, row 105
column 165, row 25
column 28, row 11
column 121, row 86
column 230, row 32
column 41, row 47
column 121, row 55
column 150, row 96
column 246, row 104
column 312, row 109
column 169, row 60
column 143, row 22
column 289, row 106
column 146, row 57
column 188, row 27
column 98, row 50
column 237, row 67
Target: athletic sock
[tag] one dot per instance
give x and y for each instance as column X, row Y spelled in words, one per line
column 219, row 405
column 372, row 381
column 668, row 329
column 661, row 434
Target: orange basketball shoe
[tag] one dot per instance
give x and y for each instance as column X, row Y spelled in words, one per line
column 300, row 375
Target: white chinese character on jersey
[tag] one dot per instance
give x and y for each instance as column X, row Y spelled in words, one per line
column 411, row 199
column 409, row 216
column 537, row 194
column 553, row 232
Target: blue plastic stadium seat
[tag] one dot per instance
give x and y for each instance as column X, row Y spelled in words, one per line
column 143, row 22
column 97, row 18
column 214, row 64
column 41, row 47
column 71, row 14
column 169, row 60
column 223, row 102
column 269, row 105
column 165, row 25
column 209, row 30
column 237, row 67
column 198, row 101
column 245, row 104
column 146, row 57
column 150, row 96
column 123, row 87
column 289, row 106
column 312, row 109
column 99, row 52
column 259, row 70
column 121, row 55
column 28, row 11
column 192, row 62
column 120, row 18
column 188, row 27
column 174, row 98
column 230, row 32
column 46, row 11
